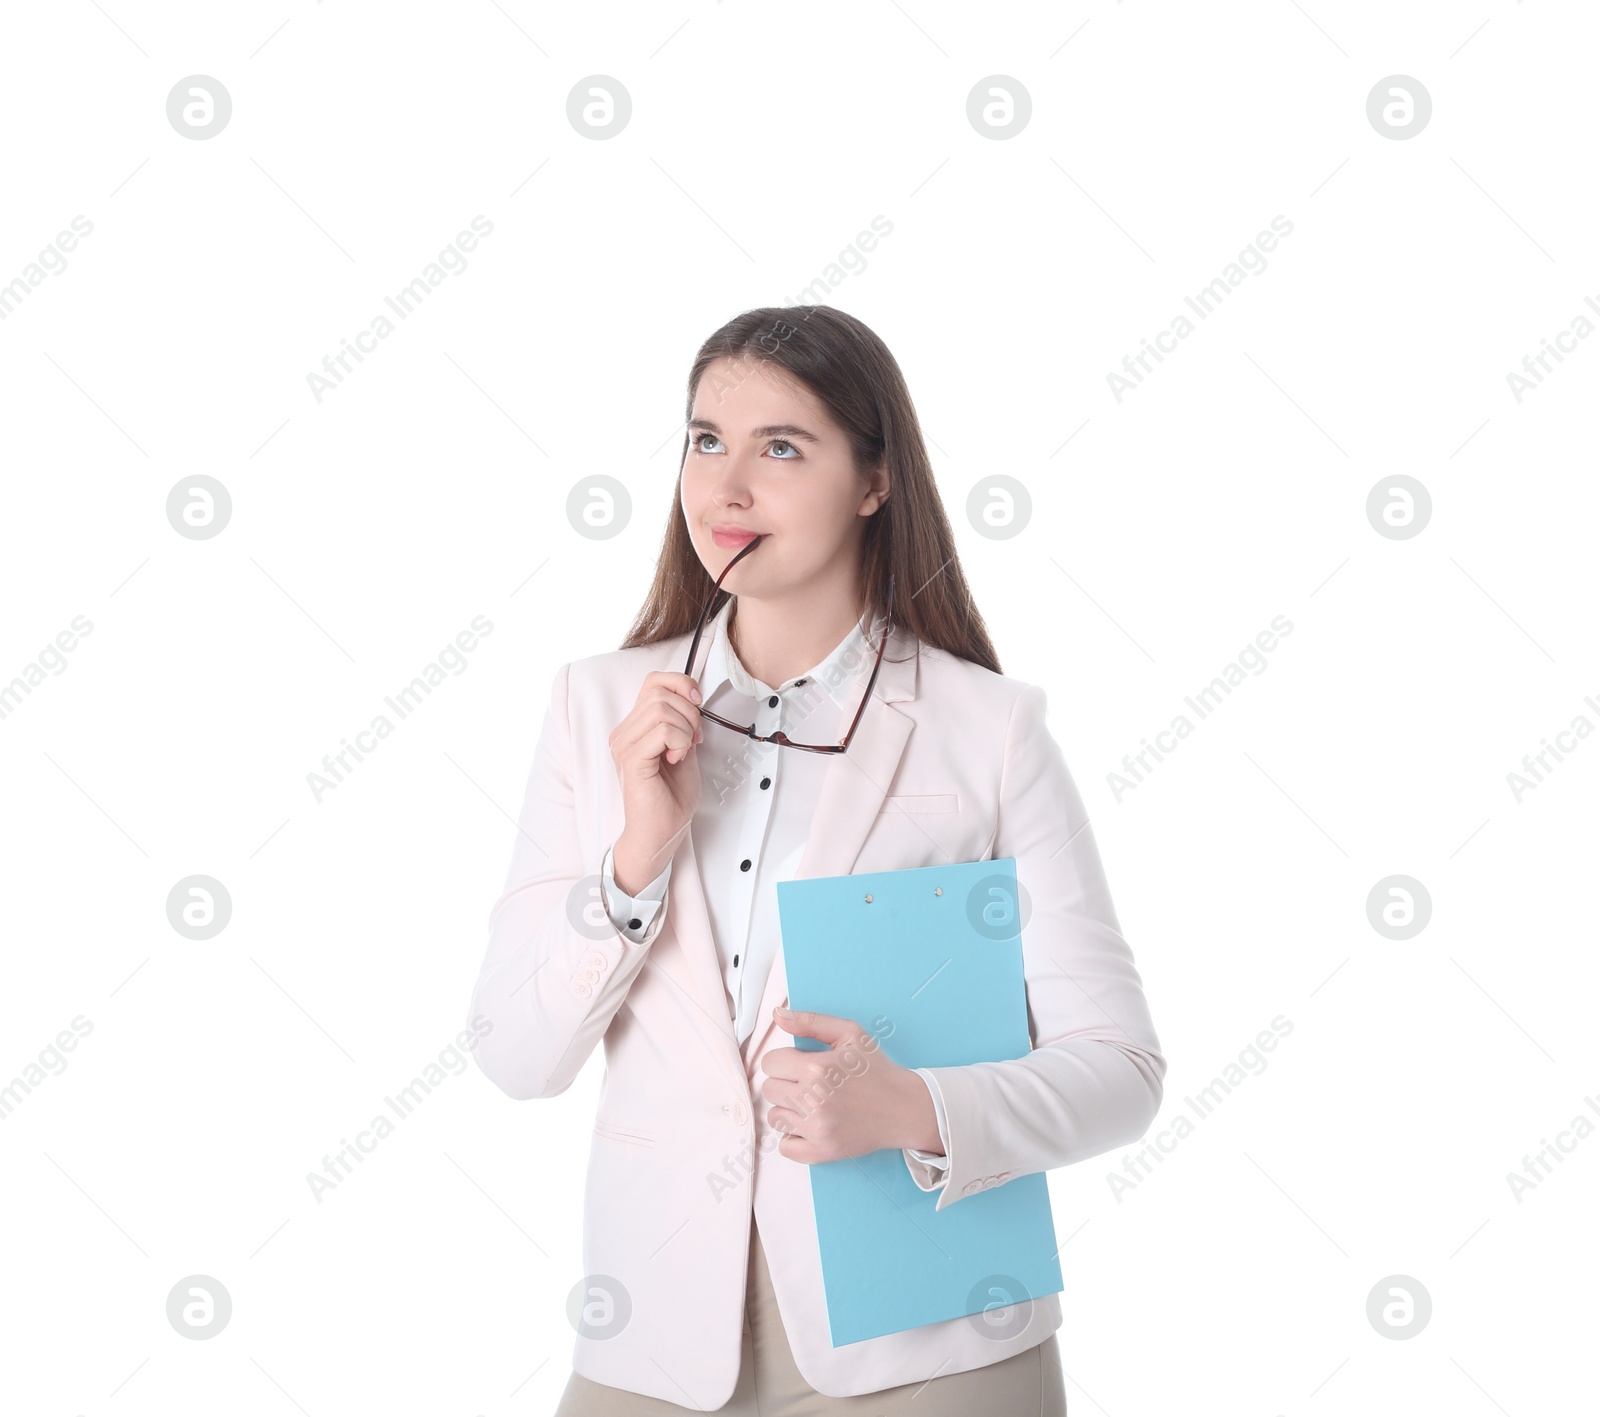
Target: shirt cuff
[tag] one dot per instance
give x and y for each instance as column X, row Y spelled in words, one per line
column 930, row 1170
column 633, row 915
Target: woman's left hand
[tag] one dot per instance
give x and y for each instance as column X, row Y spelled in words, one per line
column 845, row 1100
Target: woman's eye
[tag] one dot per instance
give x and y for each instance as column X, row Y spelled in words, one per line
column 784, row 450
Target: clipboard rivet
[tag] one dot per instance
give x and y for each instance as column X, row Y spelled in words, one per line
column 869, row 899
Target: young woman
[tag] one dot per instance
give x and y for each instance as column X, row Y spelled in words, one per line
column 674, row 785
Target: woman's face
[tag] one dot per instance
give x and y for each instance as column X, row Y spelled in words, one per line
column 764, row 456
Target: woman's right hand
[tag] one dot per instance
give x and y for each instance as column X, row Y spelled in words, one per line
column 653, row 749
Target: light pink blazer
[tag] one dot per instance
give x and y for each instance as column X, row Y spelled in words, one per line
column 950, row 763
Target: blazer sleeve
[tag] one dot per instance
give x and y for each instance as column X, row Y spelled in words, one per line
column 557, row 968
column 1094, row 1078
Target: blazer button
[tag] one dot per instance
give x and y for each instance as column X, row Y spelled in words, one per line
column 595, row 960
column 970, row 1187
column 582, row 990
column 589, row 976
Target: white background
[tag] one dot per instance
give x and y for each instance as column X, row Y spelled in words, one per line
column 370, row 527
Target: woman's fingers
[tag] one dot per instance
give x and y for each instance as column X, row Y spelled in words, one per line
column 681, row 709
column 680, row 721
column 664, row 723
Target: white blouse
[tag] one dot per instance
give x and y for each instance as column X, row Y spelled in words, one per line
column 749, row 835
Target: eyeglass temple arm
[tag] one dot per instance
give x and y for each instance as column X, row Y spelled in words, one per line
column 877, row 663
column 744, row 551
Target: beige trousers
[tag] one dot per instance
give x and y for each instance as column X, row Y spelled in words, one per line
column 1027, row 1384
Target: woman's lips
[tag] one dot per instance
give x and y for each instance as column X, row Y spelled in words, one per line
column 733, row 538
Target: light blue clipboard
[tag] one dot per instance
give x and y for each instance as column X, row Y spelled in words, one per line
column 929, row 961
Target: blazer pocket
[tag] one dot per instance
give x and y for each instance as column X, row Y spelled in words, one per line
column 919, row 803
column 627, row 1134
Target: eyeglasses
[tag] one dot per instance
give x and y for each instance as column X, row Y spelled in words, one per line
column 781, row 738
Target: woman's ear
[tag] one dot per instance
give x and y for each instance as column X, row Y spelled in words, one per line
column 878, row 491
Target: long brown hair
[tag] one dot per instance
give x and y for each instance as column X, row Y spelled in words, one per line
column 851, row 371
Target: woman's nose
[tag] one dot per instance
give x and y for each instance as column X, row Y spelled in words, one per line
column 732, row 483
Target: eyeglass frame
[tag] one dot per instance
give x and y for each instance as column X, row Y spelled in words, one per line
column 781, row 738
